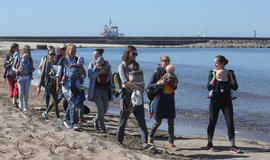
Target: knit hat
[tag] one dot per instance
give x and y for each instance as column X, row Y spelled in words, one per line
column 100, row 61
column 80, row 61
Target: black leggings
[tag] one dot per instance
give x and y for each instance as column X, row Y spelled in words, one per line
column 170, row 129
column 225, row 104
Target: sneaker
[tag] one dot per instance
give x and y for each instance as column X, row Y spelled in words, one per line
column 25, row 109
column 66, row 124
column 171, row 146
column 15, row 104
column 45, row 115
column 75, row 127
column 210, row 147
column 150, row 140
column 82, row 121
column 234, row 149
column 103, row 131
column 147, row 147
column 59, row 120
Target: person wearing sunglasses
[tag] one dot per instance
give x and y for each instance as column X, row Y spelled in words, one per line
column 48, row 81
column 129, row 55
column 163, row 103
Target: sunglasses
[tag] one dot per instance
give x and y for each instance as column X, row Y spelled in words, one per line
column 135, row 54
column 52, row 54
column 166, row 60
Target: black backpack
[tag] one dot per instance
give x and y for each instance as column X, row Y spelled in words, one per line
column 151, row 93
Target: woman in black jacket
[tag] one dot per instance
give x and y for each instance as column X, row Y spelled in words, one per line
column 10, row 74
column 221, row 100
column 48, row 81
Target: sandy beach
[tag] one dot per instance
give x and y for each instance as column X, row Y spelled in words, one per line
column 30, row 136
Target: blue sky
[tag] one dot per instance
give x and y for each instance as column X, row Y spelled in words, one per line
column 135, row 18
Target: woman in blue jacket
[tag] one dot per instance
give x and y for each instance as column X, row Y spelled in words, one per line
column 163, row 103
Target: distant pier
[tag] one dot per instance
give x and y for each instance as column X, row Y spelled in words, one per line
column 181, row 42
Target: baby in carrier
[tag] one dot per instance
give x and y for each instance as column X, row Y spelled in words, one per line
column 223, row 75
column 25, row 65
column 75, row 74
column 170, row 76
column 135, row 75
column 100, row 64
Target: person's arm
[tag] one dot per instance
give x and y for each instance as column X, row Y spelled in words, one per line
column 15, row 64
column 91, row 73
column 42, row 77
column 211, row 80
column 58, row 78
column 234, row 84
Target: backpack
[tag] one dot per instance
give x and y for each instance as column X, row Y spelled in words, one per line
column 117, row 83
column 151, row 93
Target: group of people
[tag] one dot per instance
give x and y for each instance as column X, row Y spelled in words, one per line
column 63, row 76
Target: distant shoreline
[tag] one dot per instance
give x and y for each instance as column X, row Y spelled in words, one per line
column 148, row 42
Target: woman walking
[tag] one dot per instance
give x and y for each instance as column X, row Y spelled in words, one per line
column 10, row 74
column 23, row 66
column 68, row 85
column 163, row 102
column 129, row 55
column 100, row 87
column 48, row 81
column 221, row 100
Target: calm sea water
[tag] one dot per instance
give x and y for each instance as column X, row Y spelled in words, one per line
column 251, row 66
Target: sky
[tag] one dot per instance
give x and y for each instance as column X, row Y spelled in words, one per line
column 215, row 18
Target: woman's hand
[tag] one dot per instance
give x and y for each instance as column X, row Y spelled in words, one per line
column 212, row 82
column 162, row 82
column 102, row 71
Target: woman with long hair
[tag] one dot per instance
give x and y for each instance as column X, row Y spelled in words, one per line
column 10, row 74
column 23, row 66
column 129, row 55
column 65, row 62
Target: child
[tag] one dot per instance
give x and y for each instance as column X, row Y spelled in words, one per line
column 135, row 75
column 25, row 65
column 223, row 75
column 170, row 76
column 100, row 64
column 75, row 74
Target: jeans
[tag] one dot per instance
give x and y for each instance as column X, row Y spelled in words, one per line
column 140, row 117
column 81, row 110
column 23, row 85
column 101, row 98
column 71, row 112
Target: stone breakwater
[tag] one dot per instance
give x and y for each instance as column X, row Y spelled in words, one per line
column 162, row 42
column 231, row 44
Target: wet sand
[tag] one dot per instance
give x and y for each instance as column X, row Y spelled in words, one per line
column 30, row 136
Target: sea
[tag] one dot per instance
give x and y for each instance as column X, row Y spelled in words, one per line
column 252, row 70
